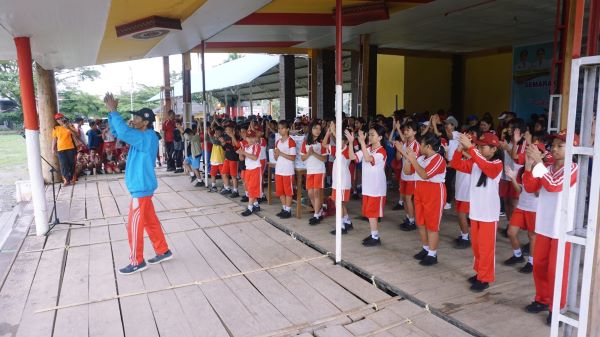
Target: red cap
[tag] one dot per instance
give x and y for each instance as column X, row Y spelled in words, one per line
column 487, row 138
column 562, row 135
column 251, row 133
column 541, row 147
column 59, row 115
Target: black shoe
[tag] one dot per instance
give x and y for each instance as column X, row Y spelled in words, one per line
column 355, row 195
column 479, row 286
column 514, row 260
column 536, row 307
column 225, row 191
column 364, row 218
column 314, row 220
column 179, row 170
column 255, row 208
column 472, row 279
column 370, row 242
column 192, row 178
column 549, row 320
column 421, row 255
column 344, row 231
column 408, row 226
column 462, row 244
column 526, row 269
column 247, row 212
column 526, row 248
column 213, row 189
column 286, row 215
column 199, row 184
column 428, row 260
column 244, row 199
column 262, row 199
column 398, row 207
column 280, row 213
column 367, row 238
column 170, row 169
column 349, row 226
column 234, row 194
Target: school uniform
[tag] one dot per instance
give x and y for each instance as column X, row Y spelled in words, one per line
column 315, row 168
column 253, row 173
column 284, row 168
column 430, row 193
column 507, row 190
column 547, row 223
column 484, row 210
column 346, row 174
column 374, row 187
column 407, row 181
column 525, row 213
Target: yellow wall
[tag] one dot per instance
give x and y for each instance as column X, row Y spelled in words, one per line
column 427, row 84
column 487, row 84
column 390, row 82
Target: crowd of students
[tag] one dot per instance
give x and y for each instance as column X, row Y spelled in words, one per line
column 514, row 170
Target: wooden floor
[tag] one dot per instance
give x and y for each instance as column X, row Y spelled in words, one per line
column 230, row 276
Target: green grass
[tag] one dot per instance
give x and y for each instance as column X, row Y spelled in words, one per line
column 13, row 158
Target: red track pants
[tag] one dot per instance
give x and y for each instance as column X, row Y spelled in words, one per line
column 142, row 216
column 544, row 269
column 483, row 242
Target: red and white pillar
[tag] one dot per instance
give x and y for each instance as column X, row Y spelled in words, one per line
column 32, row 134
column 338, row 129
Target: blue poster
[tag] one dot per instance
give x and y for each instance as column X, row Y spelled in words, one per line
column 531, row 79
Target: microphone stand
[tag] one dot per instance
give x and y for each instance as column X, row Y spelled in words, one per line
column 56, row 221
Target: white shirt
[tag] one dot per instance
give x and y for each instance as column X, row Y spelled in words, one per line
column 346, row 181
column 373, row 174
column 263, row 149
column 255, row 150
column 284, row 166
column 452, row 145
column 414, row 145
column 462, row 186
column 313, row 164
column 435, row 166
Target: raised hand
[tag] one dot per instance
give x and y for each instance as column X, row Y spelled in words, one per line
column 361, row 136
column 349, row 136
column 465, row 141
column 110, row 102
column 510, row 172
column 534, row 154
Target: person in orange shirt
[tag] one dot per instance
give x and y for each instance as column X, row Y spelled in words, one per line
column 64, row 147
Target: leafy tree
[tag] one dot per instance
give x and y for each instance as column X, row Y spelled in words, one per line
column 74, row 102
column 232, row 56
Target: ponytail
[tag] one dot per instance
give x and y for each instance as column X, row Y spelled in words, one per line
column 498, row 155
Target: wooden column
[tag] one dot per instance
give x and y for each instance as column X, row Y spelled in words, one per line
column 313, row 100
column 326, row 84
column 187, row 89
column 166, row 85
column 368, row 83
column 47, row 108
column 287, row 87
column 458, row 86
column 355, row 85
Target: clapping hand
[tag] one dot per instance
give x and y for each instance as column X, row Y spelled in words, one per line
column 110, row 102
column 534, row 154
column 510, row 172
column 361, row 137
column 349, row 136
column 465, row 141
column 410, row 155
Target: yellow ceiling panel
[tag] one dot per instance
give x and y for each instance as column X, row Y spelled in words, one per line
column 113, row 49
column 322, row 6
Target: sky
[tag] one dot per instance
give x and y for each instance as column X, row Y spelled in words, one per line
column 115, row 77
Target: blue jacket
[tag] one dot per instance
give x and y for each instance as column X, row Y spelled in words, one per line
column 141, row 158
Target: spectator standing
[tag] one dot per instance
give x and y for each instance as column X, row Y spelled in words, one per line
column 168, row 127
column 94, row 136
column 63, row 145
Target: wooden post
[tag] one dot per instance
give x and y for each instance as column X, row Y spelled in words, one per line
column 313, row 100
column 167, row 86
column 326, row 84
column 287, row 87
column 47, row 108
column 355, row 87
column 187, row 89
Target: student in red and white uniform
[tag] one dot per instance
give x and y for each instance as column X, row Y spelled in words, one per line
column 348, row 157
column 262, row 157
column 407, row 182
column 250, row 152
column 514, row 146
column 314, row 156
column 285, row 155
column 430, row 193
column 396, row 134
column 485, row 167
column 548, row 181
column 373, row 157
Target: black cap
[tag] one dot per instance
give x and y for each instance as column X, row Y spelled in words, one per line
column 146, row 114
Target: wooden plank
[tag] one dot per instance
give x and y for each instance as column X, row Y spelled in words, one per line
column 105, row 317
column 116, row 188
column 93, row 208
column 43, row 294
column 285, row 240
column 109, row 206
column 73, row 321
column 79, row 236
column 172, row 200
column 13, row 294
column 103, row 189
column 178, row 225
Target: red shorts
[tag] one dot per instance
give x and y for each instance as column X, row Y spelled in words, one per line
column 314, row 181
column 216, row 169
column 284, row 185
column 462, row 206
column 407, row 187
column 372, row 207
column 523, row 219
column 507, row 190
column 430, row 199
column 253, row 182
column 345, row 195
column 230, row 168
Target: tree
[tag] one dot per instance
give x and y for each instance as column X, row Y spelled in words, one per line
column 232, row 56
column 74, row 103
column 138, row 99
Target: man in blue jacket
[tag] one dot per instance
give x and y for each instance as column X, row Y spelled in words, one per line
column 141, row 183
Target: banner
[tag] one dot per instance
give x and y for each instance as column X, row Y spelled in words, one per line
column 531, row 79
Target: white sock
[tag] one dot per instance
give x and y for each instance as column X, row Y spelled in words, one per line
column 288, row 209
column 250, row 208
column 191, row 174
column 256, row 203
column 316, row 215
column 401, row 202
column 464, row 236
column 345, row 219
column 426, row 248
column 412, row 220
column 517, row 252
column 213, row 185
column 530, row 259
column 432, row 253
column 375, row 234
column 235, row 190
column 246, row 193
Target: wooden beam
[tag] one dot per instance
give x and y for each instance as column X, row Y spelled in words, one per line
column 313, row 84
column 287, row 91
column 166, row 87
column 187, row 89
column 47, row 108
column 364, row 67
column 567, row 59
column 412, row 52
